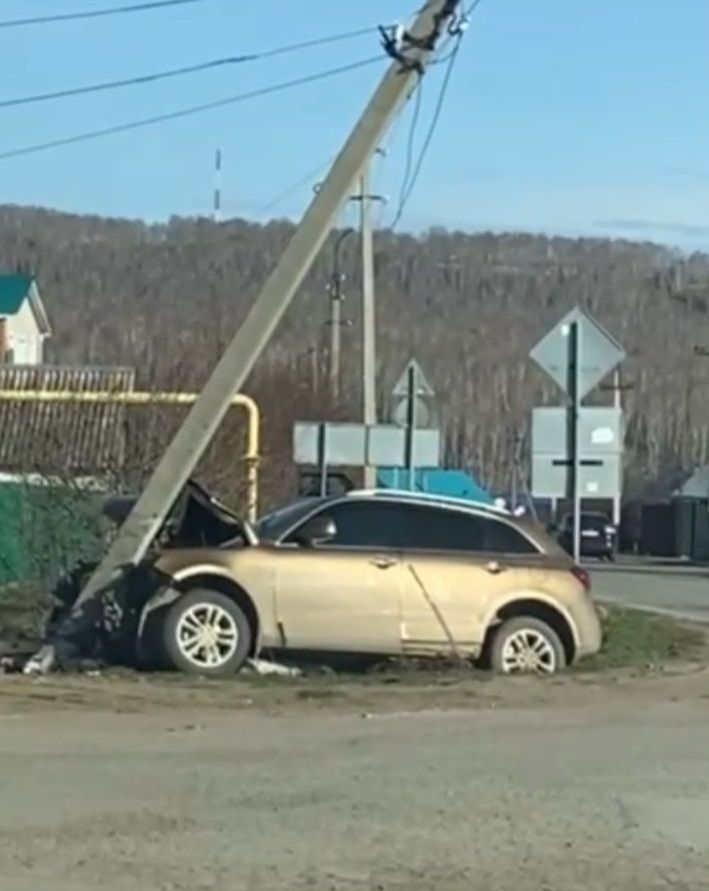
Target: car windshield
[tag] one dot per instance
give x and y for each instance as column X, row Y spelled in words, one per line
column 271, row 526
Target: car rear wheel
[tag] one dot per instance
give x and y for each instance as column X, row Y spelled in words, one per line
column 206, row 633
column 527, row 646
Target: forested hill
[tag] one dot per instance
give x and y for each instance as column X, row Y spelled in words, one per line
column 167, row 298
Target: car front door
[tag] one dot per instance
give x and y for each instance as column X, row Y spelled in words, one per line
column 458, row 563
column 343, row 594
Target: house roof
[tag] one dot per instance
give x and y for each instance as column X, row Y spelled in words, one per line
column 13, row 291
column 697, row 486
column 60, row 437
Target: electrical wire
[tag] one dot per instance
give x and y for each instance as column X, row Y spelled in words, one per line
column 95, row 13
column 303, row 181
column 418, row 92
column 187, row 112
column 411, row 178
column 185, row 70
column 471, row 9
column 294, row 188
column 456, row 30
column 430, row 133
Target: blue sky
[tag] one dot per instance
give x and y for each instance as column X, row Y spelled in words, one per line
column 563, row 116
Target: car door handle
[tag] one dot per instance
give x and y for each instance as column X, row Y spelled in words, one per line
column 384, row 562
column 494, row 568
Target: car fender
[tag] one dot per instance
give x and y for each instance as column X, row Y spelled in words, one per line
column 170, row 592
column 508, row 598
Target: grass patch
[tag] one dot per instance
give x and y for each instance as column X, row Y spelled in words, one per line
column 636, row 639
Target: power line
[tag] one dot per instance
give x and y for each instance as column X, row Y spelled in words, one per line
column 435, row 119
column 126, row 82
column 184, row 70
column 186, row 112
column 410, row 181
column 456, row 31
column 294, row 188
column 95, row 13
column 409, row 150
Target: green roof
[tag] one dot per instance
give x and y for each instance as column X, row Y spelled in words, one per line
column 13, row 290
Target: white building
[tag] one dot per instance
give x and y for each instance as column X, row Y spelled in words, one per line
column 24, row 325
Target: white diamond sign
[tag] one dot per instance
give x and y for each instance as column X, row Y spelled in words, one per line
column 599, row 352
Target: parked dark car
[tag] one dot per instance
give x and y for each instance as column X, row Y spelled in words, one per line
column 598, row 535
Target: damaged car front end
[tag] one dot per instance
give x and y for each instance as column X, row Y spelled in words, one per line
column 119, row 626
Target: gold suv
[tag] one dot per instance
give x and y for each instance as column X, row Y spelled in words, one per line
column 379, row 573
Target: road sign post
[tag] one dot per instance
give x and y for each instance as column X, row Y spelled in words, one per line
column 577, row 354
column 322, row 459
column 411, row 424
column 412, row 411
column 574, row 452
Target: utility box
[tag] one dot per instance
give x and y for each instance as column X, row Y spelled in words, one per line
column 676, row 529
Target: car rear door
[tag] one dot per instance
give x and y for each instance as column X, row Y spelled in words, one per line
column 344, row 594
column 458, row 563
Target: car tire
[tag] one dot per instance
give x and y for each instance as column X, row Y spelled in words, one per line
column 526, row 646
column 205, row 633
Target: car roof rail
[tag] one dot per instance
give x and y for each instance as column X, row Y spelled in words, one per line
column 432, row 498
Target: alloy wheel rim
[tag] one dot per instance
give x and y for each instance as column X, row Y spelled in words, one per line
column 528, row 651
column 207, row 635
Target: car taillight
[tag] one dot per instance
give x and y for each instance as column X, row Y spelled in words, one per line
column 583, row 575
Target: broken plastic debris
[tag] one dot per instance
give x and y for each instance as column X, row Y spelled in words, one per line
column 42, row 662
column 263, row 667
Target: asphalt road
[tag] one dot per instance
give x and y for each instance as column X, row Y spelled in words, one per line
column 675, row 589
column 613, row 793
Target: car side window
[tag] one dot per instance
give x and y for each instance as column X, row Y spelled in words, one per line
column 429, row 528
column 449, row 530
column 361, row 524
column 388, row 526
column 501, row 538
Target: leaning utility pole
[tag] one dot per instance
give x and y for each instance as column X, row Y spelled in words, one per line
column 410, row 54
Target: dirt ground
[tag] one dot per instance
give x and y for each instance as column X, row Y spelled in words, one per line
column 441, row 782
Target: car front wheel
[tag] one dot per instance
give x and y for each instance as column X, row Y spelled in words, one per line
column 526, row 646
column 204, row 632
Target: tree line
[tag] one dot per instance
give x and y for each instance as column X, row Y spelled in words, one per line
column 166, row 299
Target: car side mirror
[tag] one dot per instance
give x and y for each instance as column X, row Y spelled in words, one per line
column 317, row 531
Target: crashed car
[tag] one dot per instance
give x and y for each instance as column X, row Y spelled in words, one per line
column 371, row 573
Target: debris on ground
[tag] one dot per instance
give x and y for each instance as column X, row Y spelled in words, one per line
column 267, row 668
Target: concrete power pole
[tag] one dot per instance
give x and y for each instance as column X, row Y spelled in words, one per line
column 335, row 320
column 217, row 210
column 369, row 318
column 335, row 323
column 410, row 56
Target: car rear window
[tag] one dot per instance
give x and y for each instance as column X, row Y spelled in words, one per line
column 594, row 521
